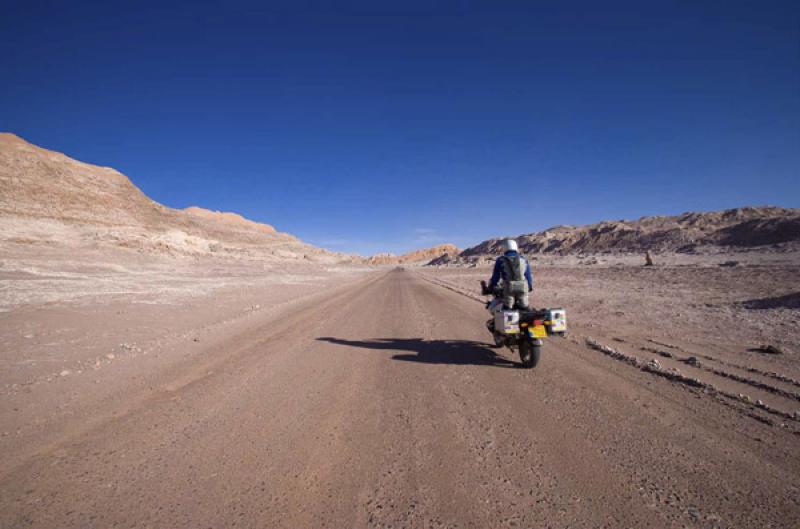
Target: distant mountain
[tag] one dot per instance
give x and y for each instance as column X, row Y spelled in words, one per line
column 417, row 256
column 48, row 198
column 746, row 227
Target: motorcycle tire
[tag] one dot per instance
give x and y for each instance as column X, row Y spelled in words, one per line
column 529, row 354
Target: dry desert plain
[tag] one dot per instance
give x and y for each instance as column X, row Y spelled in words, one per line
column 170, row 393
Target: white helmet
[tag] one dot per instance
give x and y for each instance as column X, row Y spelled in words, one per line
column 510, row 245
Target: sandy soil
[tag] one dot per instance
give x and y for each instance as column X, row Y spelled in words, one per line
column 198, row 397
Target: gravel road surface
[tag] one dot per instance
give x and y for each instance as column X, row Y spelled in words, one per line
column 381, row 405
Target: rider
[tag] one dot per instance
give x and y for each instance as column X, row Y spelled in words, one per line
column 515, row 272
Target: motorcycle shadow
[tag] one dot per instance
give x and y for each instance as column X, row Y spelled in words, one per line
column 455, row 352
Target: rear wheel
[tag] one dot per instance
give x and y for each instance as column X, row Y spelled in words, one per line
column 529, row 354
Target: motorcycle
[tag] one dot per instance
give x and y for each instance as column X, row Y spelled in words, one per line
column 522, row 330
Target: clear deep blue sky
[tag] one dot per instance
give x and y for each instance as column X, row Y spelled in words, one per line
column 368, row 128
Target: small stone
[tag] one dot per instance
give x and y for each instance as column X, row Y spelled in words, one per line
column 65, row 373
column 769, row 349
column 759, row 402
column 110, row 356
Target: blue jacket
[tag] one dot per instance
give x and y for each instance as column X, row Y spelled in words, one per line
column 499, row 270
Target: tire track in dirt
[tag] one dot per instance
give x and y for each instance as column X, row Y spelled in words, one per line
column 769, row 374
column 676, row 377
column 668, row 467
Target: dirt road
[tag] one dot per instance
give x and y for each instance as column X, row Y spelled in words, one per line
column 381, row 406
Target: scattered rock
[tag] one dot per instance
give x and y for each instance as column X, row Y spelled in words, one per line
column 65, row 373
column 653, row 366
column 692, row 361
column 729, row 264
column 659, row 352
column 111, row 356
column 768, row 349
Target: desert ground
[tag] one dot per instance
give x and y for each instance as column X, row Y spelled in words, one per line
column 217, row 393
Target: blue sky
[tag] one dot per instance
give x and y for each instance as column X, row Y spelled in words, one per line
column 367, row 128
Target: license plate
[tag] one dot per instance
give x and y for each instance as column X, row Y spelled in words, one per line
column 538, row 331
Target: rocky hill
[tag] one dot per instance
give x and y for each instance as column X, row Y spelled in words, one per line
column 48, row 198
column 231, row 220
column 415, row 257
column 740, row 228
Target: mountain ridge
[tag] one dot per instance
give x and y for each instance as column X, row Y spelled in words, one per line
column 747, row 227
column 422, row 255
